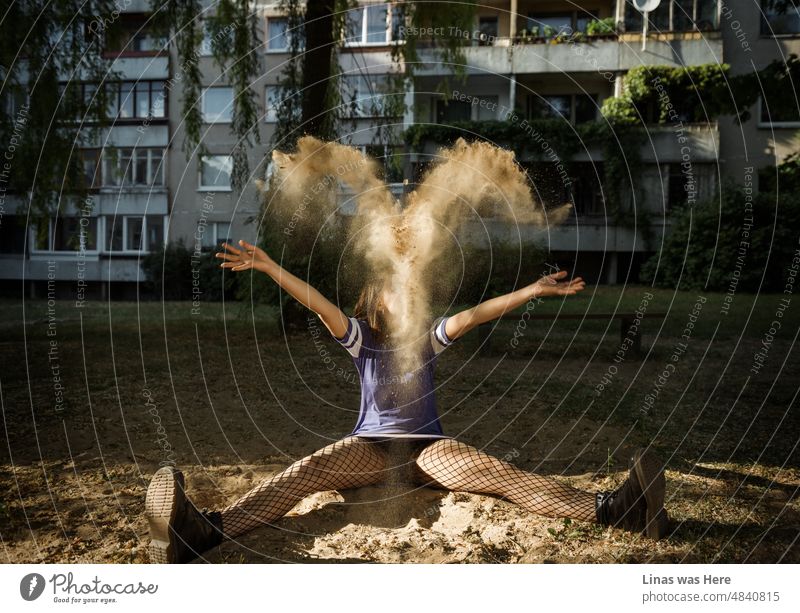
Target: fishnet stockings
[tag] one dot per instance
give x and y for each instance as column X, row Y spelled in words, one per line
column 348, row 463
column 445, row 464
column 449, row 464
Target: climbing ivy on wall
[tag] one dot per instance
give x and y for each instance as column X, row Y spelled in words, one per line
column 651, row 95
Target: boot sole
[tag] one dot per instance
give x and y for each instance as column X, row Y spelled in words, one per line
column 650, row 473
column 161, row 506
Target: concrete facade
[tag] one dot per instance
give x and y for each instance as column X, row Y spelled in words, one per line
column 175, row 199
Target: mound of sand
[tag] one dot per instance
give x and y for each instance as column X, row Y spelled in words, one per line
column 391, row 524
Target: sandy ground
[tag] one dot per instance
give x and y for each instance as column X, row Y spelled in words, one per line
column 238, row 404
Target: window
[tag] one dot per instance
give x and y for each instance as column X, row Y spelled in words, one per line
column 123, row 167
column 550, row 107
column 365, row 95
column 134, row 233
column 675, row 16
column 12, row 234
column 549, row 187
column 374, row 24
column 66, row 234
column 117, row 169
column 217, row 104
column 14, row 99
column 548, row 25
column 216, row 233
column 70, row 233
column 155, row 233
column 92, row 175
column 575, row 108
column 215, row 172
column 586, row 192
column 488, row 110
column 274, row 96
column 136, row 99
column 487, row 29
column 585, row 108
column 779, row 18
column 778, row 111
column 448, row 111
column 278, row 34
column 130, row 34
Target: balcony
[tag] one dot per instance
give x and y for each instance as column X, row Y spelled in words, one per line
column 593, row 54
column 142, row 68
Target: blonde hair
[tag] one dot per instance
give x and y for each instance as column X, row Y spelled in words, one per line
column 370, row 308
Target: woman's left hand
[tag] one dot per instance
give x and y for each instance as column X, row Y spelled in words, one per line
column 554, row 285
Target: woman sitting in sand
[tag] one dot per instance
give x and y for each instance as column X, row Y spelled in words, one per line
column 391, row 415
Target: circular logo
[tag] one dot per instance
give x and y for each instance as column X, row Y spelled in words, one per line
column 31, row 586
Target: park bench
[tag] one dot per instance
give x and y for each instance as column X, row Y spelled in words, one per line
column 626, row 326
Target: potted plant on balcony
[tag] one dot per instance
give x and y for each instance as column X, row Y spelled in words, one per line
column 528, row 36
column 598, row 28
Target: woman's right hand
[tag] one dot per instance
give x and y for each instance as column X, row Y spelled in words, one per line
column 249, row 256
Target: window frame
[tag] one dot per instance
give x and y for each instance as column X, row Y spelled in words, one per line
column 203, row 113
column 573, row 106
column 369, row 113
column 147, row 248
column 212, row 188
column 269, row 117
column 388, row 39
column 671, row 18
column 105, row 157
column 287, row 35
column 215, row 232
column 773, row 124
column 763, row 21
column 51, row 235
column 133, row 98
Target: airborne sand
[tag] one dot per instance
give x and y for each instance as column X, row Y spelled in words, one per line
column 400, row 241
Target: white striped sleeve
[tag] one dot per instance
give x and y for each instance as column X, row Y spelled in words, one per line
column 352, row 338
column 439, row 338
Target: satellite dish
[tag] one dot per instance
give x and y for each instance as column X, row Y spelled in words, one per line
column 645, row 6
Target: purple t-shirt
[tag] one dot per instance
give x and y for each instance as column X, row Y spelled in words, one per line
column 393, row 405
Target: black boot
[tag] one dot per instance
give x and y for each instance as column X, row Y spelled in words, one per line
column 638, row 504
column 178, row 531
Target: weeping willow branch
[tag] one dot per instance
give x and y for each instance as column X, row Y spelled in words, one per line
column 235, row 46
column 51, row 49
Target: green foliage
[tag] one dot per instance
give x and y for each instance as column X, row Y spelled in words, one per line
column 705, row 249
column 243, row 55
column 695, row 93
column 178, row 273
column 314, row 250
column 619, row 143
column 570, row 531
column 601, row 27
column 418, row 16
column 233, row 28
column 179, row 20
column 42, row 48
column 565, row 139
column 700, row 93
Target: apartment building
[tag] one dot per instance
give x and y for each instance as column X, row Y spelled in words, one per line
column 147, row 191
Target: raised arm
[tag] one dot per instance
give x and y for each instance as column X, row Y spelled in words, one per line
column 250, row 256
column 549, row 285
